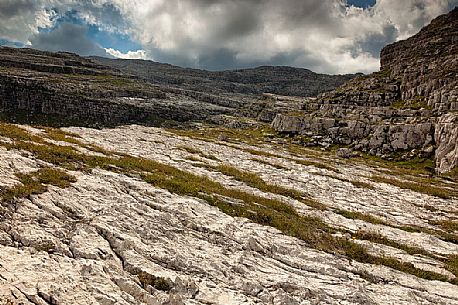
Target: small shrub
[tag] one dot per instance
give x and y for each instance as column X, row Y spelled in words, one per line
column 159, row 283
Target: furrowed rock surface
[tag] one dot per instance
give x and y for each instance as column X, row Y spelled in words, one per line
column 395, row 111
column 93, row 242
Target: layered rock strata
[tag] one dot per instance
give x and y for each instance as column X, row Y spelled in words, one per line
column 398, row 111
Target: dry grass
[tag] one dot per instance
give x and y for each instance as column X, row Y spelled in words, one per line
column 425, row 188
column 274, row 165
column 361, row 216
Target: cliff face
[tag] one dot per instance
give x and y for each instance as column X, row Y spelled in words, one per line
column 399, row 111
column 426, row 64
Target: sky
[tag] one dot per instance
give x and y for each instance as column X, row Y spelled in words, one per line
column 325, row 36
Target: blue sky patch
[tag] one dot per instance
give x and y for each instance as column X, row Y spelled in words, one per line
column 105, row 39
column 362, row 3
column 4, row 42
column 115, row 41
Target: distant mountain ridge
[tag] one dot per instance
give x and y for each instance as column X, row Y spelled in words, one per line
column 281, row 80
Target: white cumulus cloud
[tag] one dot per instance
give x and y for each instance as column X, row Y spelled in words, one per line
column 139, row 54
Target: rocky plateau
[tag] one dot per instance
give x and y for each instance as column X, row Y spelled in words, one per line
column 123, row 185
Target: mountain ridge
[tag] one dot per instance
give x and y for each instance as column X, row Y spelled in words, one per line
column 281, row 80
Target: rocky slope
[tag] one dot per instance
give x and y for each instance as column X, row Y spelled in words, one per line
column 140, row 215
column 407, row 109
column 277, row 80
column 68, row 89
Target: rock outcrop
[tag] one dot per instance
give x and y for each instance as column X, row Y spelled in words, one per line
column 447, row 139
column 393, row 113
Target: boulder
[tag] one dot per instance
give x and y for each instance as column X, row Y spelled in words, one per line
column 447, row 143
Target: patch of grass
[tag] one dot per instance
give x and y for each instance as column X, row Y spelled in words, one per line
column 63, row 136
column 52, row 176
column 452, row 266
column 36, row 183
column 382, row 73
column 416, row 103
column 73, row 138
column 16, row 133
column 417, row 187
column 379, row 239
column 274, row 165
column 418, row 167
column 64, row 156
column 360, row 216
column 296, row 160
column 248, row 136
column 447, row 225
column 253, row 180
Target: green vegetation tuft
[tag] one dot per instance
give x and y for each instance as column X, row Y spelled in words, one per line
column 417, row 103
column 16, row 133
column 63, row 136
column 452, row 266
column 448, row 225
column 379, row 239
column 253, row 180
column 36, row 183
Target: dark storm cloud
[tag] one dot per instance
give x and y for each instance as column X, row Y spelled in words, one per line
column 374, row 42
column 69, row 38
column 9, row 8
column 328, row 36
